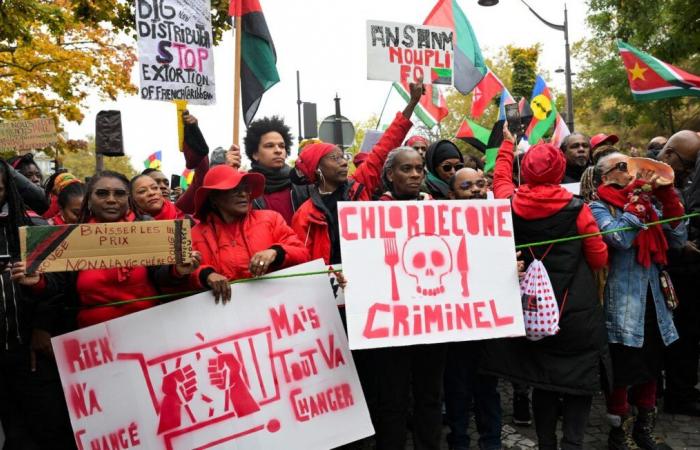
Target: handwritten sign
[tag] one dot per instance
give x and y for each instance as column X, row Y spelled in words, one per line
column 404, row 52
column 67, row 248
column 426, row 272
column 176, row 57
column 27, row 134
column 268, row 370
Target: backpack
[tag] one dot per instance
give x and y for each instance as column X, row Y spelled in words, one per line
column 540, row 311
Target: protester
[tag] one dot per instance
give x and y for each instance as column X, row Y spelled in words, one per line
column 267, row 144
column 577, row 150
column 160, row 179
column 29, row 190
column 564, row 367
column 54, row 184
column 418, row 143
column 681, row 396
column 465, row 388
column 655, row 146
column 638, row 320
column 473, row 162
column 413, row 371
column 442, row 160
column 147, row 198
column 403, row 175
column 32, row 407
column 26, row 165
column 234, row 240
column 325, row 166
column 601, row 139
column 69, row 200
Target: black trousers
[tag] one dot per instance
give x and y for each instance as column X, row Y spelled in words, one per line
column 402, row 371
column 682, row 355
column 33, row 410
column 545, row 409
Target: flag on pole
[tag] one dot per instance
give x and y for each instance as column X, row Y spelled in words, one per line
column 474, row 134
column 186, row 178
column 469, row 66
column 506, row 99
column 258, row 57
column 652, row 79
column 154, row 160
column 486, row 90
column 560, row 131
column 544, row 111
column 432, row 107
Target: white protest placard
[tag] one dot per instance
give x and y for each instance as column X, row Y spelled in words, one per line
column 176, row 55
column 406, row 52
column 269, row 370
column 423, row 272
column 27, row 134
column 574, row 188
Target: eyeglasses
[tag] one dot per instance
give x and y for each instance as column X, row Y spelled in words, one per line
column 621, row 166
column 105, row 193
column 447, row 167
column 337, row 157
column 468, row 184
column 579, row 145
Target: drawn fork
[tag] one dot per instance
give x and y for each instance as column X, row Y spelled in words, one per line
column 391, row 259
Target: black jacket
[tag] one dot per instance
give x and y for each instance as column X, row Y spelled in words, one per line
column 568, row 362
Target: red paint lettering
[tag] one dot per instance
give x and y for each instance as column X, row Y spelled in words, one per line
column 343, row 217
column 498, row 320
column 478, row 316
column 82, row 406
column 367, row 219
column 81, row 356
column 487, row 216
column 433, row 316
column 502, row 211
column 374, row 333
column 442, row 218
column 412, row 220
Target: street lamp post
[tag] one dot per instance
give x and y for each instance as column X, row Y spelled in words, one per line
column 565, row 29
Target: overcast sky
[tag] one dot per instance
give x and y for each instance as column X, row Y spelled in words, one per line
column 325, row 41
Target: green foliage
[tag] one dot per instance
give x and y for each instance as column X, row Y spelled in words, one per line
column 81, row 163
column 524, row 69
column 669, row 30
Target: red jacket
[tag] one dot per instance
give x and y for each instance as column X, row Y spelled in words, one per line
column 544, row 200
column 311, row 224
column 228, row 248
column 169, row 211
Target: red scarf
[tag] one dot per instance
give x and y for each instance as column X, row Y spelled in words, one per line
column 651, row 243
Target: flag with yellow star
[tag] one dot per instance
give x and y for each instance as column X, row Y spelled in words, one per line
column 652, row 79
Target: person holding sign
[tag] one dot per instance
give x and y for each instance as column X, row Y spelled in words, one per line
column 416, row 368
column 326, row 167
column 95, row 290
column 235, row 240
column 563, row 366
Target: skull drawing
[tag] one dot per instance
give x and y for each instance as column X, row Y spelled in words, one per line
column 427, row 258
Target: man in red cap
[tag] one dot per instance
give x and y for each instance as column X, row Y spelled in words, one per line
column 603, row 139
column 543, row 210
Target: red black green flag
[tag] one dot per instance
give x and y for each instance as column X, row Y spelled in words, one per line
column 258, row 57
column 474, row 134
column 652, row 79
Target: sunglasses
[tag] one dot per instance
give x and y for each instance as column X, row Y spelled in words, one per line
column 447, row 167
column 621, row 166
column 468, row 184
column 117, row 193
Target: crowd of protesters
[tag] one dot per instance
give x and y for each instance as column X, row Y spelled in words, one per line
column 622, row 330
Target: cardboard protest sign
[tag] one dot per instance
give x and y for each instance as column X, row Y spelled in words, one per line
column 65, row 248
column 27, row 134
column 427, row 272
column 176, row 56
column 405, row 52
column 269, row 370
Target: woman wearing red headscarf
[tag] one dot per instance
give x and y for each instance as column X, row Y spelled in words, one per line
column 236, row 241
column 564, row 367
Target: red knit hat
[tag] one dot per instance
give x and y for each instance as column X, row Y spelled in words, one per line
column 413, row 139
column 223, row 178
column 543, row 164
column 308, row 160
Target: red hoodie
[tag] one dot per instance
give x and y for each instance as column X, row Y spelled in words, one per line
column 537, row 201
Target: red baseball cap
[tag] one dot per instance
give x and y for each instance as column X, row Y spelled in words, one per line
column 602, row 138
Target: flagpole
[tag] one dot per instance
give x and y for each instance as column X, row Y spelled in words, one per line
column 376, row 127
column 237, row 81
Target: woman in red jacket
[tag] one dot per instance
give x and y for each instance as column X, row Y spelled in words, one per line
column 234, row 240
column 147, row 198
column 326, row 166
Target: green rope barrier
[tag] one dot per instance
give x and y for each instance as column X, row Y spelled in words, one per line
column 305, row 274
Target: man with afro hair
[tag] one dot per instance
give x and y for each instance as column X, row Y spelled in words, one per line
column 267, row 144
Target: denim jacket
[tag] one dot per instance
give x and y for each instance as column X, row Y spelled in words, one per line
column 628, row 281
